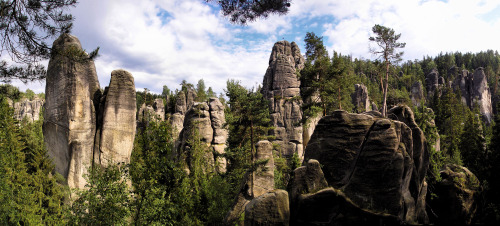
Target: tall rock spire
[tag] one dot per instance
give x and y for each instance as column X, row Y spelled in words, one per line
column 281, row 84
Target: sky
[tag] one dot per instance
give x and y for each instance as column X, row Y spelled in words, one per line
column 162, row 42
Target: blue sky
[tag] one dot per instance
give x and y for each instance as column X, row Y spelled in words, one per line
column 164, row 42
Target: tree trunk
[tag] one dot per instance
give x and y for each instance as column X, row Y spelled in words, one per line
column 384, row 105
column 340, row 99
column 252, row 142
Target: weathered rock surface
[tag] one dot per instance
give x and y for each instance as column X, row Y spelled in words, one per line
column 29, row 109
column 417, row 93
column 159, row 109
column 331, row 206
column 220, row 133
column 271, row 208
column 433, row 82
column 375, row 162
column 69, row 117
column 257, row 183
column 83, row 126
column 456, row 195
column 307, row 179
column 360, row 98
column 474, row 90
column 280, row 86
column 118, row 126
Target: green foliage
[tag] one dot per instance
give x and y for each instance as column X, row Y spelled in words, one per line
column 10, row 91
column 387, row 42
column 29, row 192
column 29, row 94
column 241, row 12
column 327, row 83
column 105, row 199
column 473, row 144
column 201, row 92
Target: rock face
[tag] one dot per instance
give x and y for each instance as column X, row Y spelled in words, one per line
column 271, row 208
column 474, row 91
column 257, row 183
column 118, row 126
column 456, row 193
column 417, row 93
column 69, row 117
column 82, row 125
column 205, row 120
column 360, row 98
column 280, row 86
column 433, row 82
column 28, row 109
column 376, row 162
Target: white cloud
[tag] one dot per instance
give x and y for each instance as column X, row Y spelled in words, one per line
column 164, row 42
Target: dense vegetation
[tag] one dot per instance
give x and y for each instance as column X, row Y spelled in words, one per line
column 161, row 191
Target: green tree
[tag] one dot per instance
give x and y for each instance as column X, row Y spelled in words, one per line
column 200, row 91
column 241, row 12
column 211, row 92
column 29, row 192
column 166, row 91
column 26, row 26
column 29, row 94
column 387, row 42
column 105, row 199
column 248, row 118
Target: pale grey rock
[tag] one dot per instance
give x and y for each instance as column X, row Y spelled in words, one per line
column 280, row 86
column 256, row 183
column 417, row 93
column 361, row 99
column 271, row 208
column 29, row 109
column 433, row 83
column 118, row 127
column 159, row 109
column 69, row 116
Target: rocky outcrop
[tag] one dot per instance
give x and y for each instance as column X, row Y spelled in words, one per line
column 456, row 195
column 256, row 183
column 474, row 91
column 29, row 109
column 307, row 179
column 118, row 126
column 154, row 112
column 220, row 134
column 159, row 109
column 433, row 82
column 377, row 163
column 281, row 86
column 360, row 99
column 271, row 208
column 417, row 94
column 204, row 121
column 331, row 206
column 83, row 126
column 69, row 117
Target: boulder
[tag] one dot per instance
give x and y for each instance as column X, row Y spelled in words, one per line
column 307, row 179
column 360, row 98
column 456, row 193
column 118, row 125
column 331, row 206
column 281, row 86
column 70, row 117
column 271, row 208
column 376, row 162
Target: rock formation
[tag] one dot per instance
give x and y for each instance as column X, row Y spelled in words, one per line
column 118, row 126
column 69, row 117
column 82, row 125
column 205, row 120
column 281, row 86
column 378, row 164
column 29, row 109
column 257, row 183
column 433, row 82
column 417, row 93
column 456, row 195
column 474, row 91
column 360, row 98
column 271, row 208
